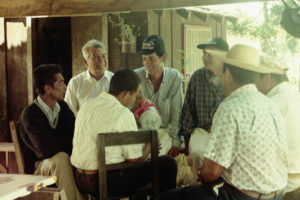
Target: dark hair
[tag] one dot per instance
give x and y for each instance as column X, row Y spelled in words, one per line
column 241, row 76
column 44, row 75
column 124, row 80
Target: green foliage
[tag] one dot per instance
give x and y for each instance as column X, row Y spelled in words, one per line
column 272, row 36
column 126, row 30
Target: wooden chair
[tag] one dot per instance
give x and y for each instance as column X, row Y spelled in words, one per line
column 113, row 139
column 12, row 147
column 14, row 131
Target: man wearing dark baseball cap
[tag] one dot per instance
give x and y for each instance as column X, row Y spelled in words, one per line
column 162, row 86
column 217, row 42
column 204, row 94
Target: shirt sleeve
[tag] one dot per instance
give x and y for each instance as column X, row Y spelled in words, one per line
column 187, row 120
column 176, row 107
column 71, row 98
column 222, row 146
column 135, row 150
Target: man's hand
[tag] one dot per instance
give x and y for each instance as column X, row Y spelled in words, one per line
column 174, row 151
column 210, row 171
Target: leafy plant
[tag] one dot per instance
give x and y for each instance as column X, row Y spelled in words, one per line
column 127, row 31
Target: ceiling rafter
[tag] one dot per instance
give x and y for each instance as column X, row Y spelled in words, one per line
column 22, row 8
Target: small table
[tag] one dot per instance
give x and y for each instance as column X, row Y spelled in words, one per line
column 18, row 185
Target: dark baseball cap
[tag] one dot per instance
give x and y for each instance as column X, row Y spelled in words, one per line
column 153, row 44
column 216, row 42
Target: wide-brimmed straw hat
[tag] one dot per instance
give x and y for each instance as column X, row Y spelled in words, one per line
column 244, row 57
column 274, row 63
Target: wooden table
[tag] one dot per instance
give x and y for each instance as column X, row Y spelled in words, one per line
column 13, row 186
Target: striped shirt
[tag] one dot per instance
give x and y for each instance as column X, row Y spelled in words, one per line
column 201, row 102
column 168, row 99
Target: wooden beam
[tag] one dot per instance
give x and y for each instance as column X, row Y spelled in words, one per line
column 22, row 8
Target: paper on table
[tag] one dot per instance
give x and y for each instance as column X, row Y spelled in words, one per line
column 17, row 185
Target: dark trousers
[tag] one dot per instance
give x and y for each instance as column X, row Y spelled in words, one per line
column 206, row 192
column 129, row 180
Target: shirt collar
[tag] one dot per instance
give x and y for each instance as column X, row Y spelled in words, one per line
column 281, row 86
column 164, row 74
column 89, row 77
column 109, row 97
column 51, row 114
column 244, row 89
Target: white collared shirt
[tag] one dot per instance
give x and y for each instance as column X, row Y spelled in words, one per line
column 52, row 115
column 103, row 114
column 288, row 102
column 168, row 99
column 248, row 138
column 83, row 87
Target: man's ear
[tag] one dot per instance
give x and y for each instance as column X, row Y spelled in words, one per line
column 164, row 58
column 85, row 62
column 47, row 89
column 228, row 75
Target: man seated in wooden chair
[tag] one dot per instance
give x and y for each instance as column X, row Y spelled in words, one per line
column 48, row 126
column 109, row 113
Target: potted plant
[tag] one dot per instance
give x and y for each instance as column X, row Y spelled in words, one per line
column 128, row 33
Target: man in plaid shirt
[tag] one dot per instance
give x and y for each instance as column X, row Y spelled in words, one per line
column 204, row 93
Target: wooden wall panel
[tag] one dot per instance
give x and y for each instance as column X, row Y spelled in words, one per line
column 82, row 30
column 167, row 34
column 17, row 90
column 153, row 22
column 3, row 86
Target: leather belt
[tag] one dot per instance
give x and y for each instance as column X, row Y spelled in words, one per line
column 89, row 172
column 257, row 195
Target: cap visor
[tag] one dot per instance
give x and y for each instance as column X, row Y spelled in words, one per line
column 146, row 52
column 202, row 46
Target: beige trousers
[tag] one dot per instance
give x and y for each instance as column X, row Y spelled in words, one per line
column 60, row 166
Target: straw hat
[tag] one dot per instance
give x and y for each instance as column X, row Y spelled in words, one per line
column 243, row 56
column 274, row 63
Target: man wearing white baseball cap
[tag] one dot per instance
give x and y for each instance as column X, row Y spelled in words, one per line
column 276, row 87
column 247, row 150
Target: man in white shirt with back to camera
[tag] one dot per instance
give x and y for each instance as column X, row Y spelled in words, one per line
column 276, row 87
column 109, row 113
column 92, row 82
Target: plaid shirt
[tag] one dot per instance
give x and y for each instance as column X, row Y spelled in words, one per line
column 201, row 102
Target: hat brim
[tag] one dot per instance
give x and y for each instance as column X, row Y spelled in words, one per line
column 222, row 55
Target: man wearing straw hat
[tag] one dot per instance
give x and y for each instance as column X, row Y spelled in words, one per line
column 276, row 87
column 247, row 151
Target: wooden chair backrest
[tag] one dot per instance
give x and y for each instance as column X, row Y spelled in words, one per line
column 124, row 138
column 14, row 131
